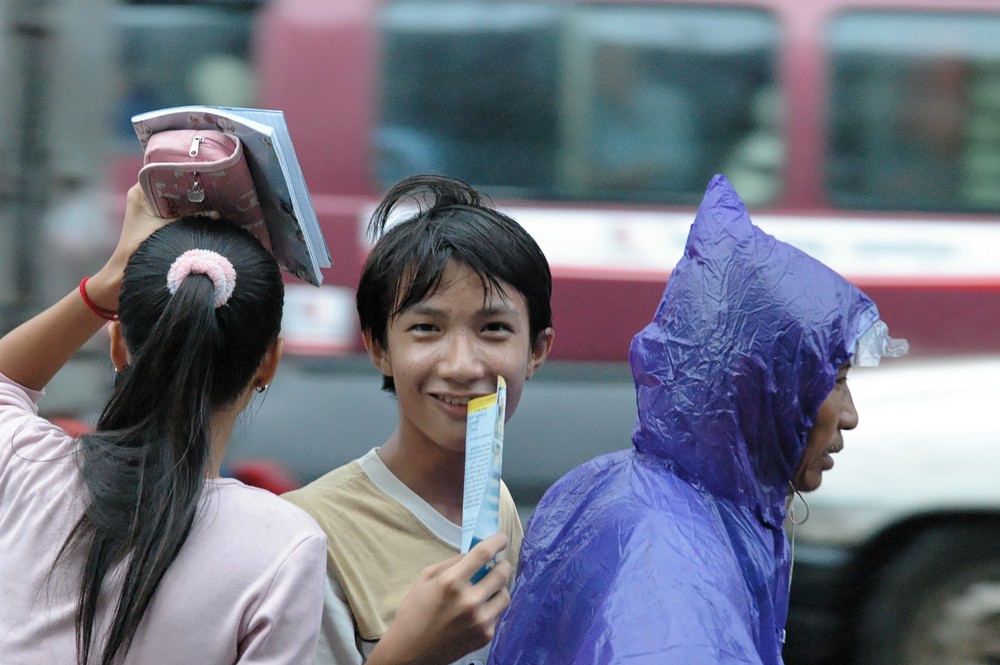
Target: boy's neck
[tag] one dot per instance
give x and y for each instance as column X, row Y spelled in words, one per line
column 435, row 475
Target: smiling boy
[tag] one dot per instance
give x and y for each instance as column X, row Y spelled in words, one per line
column 451, row 297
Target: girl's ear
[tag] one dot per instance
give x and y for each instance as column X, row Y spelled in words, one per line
column 379, row 356
column 269, row 364
column 119, row 353
column 540, row 350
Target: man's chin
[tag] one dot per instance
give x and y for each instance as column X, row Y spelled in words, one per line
column 808, row 483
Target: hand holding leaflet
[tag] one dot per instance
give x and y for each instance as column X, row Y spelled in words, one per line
column 483, row 465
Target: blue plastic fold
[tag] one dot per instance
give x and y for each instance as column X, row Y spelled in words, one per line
column 673, row 552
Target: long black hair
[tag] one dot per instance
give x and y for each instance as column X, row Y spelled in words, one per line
column 144, row 466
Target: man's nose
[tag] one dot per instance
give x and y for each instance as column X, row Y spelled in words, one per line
column 462, row 360
column 848, row 413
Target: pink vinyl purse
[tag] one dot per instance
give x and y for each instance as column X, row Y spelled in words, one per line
column 194, row 170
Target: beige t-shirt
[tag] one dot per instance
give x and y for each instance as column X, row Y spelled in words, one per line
column 381, row 535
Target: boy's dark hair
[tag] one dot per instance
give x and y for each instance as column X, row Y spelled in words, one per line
column 144, row 466
column 453, row 221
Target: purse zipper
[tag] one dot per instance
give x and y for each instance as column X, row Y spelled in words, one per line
column 198, row 140
column 195, row 145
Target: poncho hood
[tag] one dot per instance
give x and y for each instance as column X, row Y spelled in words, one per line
column 743, row 349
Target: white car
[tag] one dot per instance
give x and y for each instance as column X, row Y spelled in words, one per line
column 898, row 561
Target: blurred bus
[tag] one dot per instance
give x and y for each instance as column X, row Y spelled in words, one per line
column 865, row 132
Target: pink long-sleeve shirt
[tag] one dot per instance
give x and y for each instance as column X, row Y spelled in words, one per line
column 246, row 587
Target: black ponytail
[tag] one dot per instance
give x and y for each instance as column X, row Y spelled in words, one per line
column 145, row 465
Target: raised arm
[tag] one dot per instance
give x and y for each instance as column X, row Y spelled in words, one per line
column 32, row 353
column 444, row 616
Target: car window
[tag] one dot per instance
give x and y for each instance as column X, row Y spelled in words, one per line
column 915, row 112
column 628, row 103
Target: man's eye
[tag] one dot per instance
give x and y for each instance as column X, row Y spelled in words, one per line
column 497, row 326
column 422, row 327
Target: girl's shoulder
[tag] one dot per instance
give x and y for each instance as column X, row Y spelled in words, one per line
column 32, row 449
column 230, row 503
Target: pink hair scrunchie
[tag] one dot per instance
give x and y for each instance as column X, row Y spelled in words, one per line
column 204, row 262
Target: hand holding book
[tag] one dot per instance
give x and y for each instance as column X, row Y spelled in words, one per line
column 290, row 228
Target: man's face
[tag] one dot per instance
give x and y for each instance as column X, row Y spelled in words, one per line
column 449, row 348
column 835, row 414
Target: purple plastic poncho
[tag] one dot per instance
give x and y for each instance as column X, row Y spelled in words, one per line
column 674, row 552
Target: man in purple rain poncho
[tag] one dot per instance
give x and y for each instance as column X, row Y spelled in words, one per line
column 674, row 552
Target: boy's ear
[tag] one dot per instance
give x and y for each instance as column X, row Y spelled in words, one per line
column 540, row 350
column 378, row 355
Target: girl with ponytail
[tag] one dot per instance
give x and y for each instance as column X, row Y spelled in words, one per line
column 125, row 546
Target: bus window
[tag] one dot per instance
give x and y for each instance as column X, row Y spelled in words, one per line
column 915, row 112
column 561, row 101
column 467, row 90
column 179, row 54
